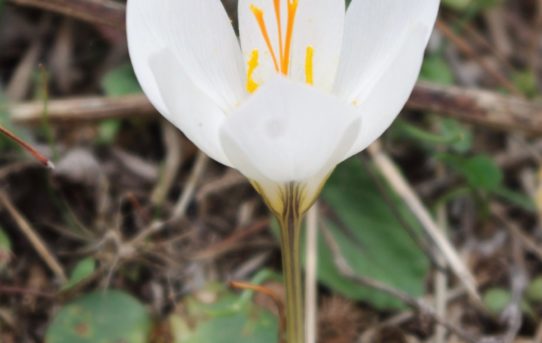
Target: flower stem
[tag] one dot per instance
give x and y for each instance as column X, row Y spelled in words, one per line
column 290, row 232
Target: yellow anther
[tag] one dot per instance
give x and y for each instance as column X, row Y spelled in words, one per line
column 309, row 65
column 252, row 85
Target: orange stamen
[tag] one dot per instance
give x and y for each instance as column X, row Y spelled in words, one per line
column 279, row 26
column 309, row 66
column 292, row 10
column 258, row 13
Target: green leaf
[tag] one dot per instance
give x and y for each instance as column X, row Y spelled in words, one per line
column 526, row 82
column 107, row 131
column 476, row 5
column 5, row 249
column 121, row 81
column 104, row 316
column 436, row 69
column 371, row 239
column 82, row 270
column 224, row 319
column 457, row 4
column 481, row 171
column 515, row 198
column 5, row 121
column 459, row 135
column 117, row 82
column 452, row 134
column 497, row 299
column 534, row 290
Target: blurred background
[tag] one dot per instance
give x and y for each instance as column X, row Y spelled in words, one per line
column 135, row 235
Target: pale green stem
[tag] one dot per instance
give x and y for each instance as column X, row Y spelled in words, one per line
column 291, row 269
column 290, row 224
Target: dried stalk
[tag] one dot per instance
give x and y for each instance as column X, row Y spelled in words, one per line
column 479, row 107
column 33, row 237
column 392, row 174
column 101, row 12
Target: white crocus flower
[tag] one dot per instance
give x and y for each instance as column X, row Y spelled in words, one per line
column 308, row 84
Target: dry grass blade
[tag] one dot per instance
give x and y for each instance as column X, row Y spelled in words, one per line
column 39, row 157
column 392, row 174
column 31, row 234
column 102, row 12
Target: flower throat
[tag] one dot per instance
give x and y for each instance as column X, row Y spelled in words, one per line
column 281, row 60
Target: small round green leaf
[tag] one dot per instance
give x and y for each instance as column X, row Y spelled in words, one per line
column 101, row 317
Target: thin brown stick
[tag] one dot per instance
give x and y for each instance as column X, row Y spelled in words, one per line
column 271, row 294
column 190, row 187
column 182, row 203
column 480, row 107
column 238, row 235
column 25, row 291
column 528, row 242
column 466, row 49
column 419, row 305
column 31, row 234
column 101, row 12
column 172, row 163
column 39, row 157
column 83, row 110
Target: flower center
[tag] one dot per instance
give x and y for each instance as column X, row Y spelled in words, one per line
column 281, row 61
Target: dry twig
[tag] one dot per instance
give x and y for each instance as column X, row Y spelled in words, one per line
column 31, row 234
column 479, row 107
column 101, row 12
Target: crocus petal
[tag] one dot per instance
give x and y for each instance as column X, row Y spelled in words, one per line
column 320, row 25
column 372, row 38
column 187, row 107
column 144, row 39
column 200, row 35
column 390, row 92
column 289, row 132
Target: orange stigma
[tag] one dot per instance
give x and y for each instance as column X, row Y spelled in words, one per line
column 258, row 13
column 282, row 57
column 284, row 42
column 292, row 10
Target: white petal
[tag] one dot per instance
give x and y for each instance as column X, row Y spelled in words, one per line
column 187, row 107
column 381, row 105
column 289, row 132
column 372, row 37
column 200, row 35
column 144, row 39
column 320, row 24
